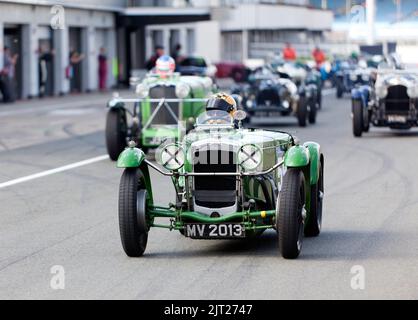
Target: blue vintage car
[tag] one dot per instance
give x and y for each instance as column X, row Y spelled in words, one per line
column 351, row 76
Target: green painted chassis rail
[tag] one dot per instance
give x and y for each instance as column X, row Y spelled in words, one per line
column 190, row 216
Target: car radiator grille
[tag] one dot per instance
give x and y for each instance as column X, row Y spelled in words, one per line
column 215, row 191
column 163, row 116
column 397, row 100
column 268, row 97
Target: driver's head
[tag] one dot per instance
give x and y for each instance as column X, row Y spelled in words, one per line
column 223, row 102
column 165, row 66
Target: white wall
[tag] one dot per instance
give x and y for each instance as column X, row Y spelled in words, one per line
column 208, row 40
column 22, row 14
column 31, row 17
column 250, row 17
column 30, row 85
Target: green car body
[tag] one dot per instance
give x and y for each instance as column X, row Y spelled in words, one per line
column 157, row 113
column 255, row 201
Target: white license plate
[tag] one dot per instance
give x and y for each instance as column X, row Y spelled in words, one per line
column 155, row 141
column 397, row 119
column 215, row 231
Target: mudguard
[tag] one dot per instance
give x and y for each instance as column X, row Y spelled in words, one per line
column 361, row 93
column 296, row 157
column 131, row 158
column 134, row 158
column 315, row 160
column 115, row 104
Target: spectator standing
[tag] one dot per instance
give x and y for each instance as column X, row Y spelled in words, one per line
column 46, row 57
column 176, row 53
column 319, row 56
column 102, row 69
column 159, row 52
column 289, row 53
column 7, row 76
column 75, row 72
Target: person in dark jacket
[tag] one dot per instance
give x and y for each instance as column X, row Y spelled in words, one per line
column 102, row 69
column 159, row 51
column 46, row 57
column 7, row 76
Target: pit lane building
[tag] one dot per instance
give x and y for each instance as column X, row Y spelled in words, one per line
column 129, row 30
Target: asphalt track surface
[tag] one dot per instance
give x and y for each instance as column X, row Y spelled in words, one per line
column 64, row 213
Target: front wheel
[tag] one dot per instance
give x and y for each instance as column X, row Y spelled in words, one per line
column 133, row 225
column 319, row 99
column 290, row 224
column 339, row 89
column 366, row 121
column 116, row 132
column 312, row 111
column 357, row 118
column 302, row 112
column 314, row 223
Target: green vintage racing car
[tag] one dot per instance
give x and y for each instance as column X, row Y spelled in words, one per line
column 229, row 182
column 165, row 107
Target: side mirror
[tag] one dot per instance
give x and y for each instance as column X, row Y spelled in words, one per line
column 240, row 115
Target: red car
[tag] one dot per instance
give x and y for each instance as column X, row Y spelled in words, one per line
column 230, row 69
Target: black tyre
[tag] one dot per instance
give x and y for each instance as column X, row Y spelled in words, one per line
column 357, row 118
column 319, row 99
column 302, row 112
column 116, row 132
column 339, row 89
column 314, row 223
column 312, row 111
column 290, row 215
column 366, row 121
column 132, row 213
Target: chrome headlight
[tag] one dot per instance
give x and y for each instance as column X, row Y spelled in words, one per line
column 207, row 82
column 171, row 157
column 293, row 89
column 182, row 90
column 413, row 92
column 365, row 77
column 250, row 157
column 142, row 90
column 381, row 92
column 353, row 76
column 286, row 104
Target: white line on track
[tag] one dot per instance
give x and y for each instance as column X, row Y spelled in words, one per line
column 53, row 171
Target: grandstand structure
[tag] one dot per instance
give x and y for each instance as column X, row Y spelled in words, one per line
column 392, row 21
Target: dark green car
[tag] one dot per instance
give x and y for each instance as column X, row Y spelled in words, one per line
column 229, row 182
column 165, row 109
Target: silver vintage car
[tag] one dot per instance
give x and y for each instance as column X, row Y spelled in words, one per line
column 391, row 102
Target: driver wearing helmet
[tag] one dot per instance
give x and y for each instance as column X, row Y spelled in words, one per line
column 220, row 105
column 165, row 66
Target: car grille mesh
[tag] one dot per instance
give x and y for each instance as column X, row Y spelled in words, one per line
column 219, row 191
column 164, row 116
column 268, row 97
column 397, row 100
